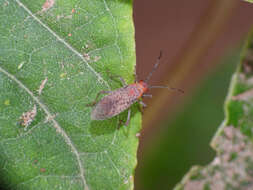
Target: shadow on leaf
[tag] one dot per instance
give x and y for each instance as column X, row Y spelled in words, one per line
column 98, row 128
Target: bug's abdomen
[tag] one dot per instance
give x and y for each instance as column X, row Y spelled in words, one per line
column 116, row 102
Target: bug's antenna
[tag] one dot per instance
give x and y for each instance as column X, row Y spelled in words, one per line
column 154, row 68
column 169, row 88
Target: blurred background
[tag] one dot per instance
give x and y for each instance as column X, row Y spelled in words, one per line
column 201, row 43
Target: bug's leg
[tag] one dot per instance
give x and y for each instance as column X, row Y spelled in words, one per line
column 147, row 95
column 141, row 106
column 142, row 103
column 123, row 82
column 128, row 117
column 96, row 99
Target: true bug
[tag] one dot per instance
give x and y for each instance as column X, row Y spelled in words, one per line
column 121, row 99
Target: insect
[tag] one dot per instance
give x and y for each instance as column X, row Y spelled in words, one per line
column 121, row 99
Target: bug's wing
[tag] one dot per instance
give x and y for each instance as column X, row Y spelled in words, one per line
column 103, row 109
column 114, row 103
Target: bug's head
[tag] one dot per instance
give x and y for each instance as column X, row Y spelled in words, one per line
column 143, row 85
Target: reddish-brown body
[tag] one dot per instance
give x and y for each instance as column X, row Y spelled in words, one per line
column 118, row 101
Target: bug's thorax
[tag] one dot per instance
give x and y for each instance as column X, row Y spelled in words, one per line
column 141, row 87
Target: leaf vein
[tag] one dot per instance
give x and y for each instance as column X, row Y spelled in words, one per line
column 62, row 41
column 56, row 125
column 45, row 176
column 115, row 28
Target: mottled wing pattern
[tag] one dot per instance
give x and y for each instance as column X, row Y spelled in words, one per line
column 115, row 102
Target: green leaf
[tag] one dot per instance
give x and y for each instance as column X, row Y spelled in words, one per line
column 250, row 1
column 53, row 61
column 232, row 168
